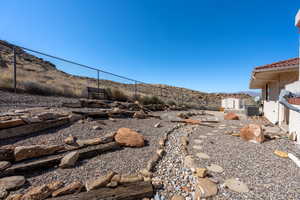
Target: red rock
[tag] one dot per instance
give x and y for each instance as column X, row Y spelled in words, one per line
column 130, row 138
column 252, row 133
column 231, row 116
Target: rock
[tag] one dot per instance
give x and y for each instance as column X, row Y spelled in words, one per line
column 131, row 178
column 201, row 172
column 157, row 125
column 4, row 165
column 292, row 136
column 112, row 184
column 205, row 188
column 11, row 123
column 75, row 117
column 68, row 189
column 3, row 193
column 42, row 192
column 70, row 140
column 97, row 128
column 177, row 197
column 215, row 168
column 182, row 115
column 33, row 151
column 140, row 115
column 198, row 141
column 12, row 182
column 236, row 185
column 7, row 154
column 99, row 182
column 231, row 116
column 37, row 193
column 192, row 121
column 116, row 178
column 161, row 142
column 281, row 154
column 14, row 197
column 89, row 142
column 202, row 155
column 252, row 133
column 69, row 160
column 160, row 152
column 31, row 120
column 197, row 147
column 49, row 116
column 130, row 138
column 157, row 183
column 189, row 162
column 146, row 173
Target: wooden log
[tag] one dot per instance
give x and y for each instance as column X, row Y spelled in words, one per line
column 32, row 128
column 130, row 191
column 53, row 160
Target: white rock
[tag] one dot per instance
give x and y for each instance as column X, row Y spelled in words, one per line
column 202, row 155
column 236, row 185
column 215, row 168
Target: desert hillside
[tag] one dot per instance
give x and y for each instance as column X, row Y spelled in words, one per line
column 34, row 72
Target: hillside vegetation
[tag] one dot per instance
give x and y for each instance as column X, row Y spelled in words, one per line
column 35, row 75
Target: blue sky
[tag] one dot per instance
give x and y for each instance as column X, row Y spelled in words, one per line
column 209, row 45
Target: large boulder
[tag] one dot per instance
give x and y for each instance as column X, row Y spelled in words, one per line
column 130, row 138
column 253, row 133
column 33, row 151
column 231, row 116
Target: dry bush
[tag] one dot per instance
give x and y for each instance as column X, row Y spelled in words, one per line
column 147, row 100
column 171, row 103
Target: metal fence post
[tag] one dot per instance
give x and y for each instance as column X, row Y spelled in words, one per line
column 135, row 89
column 14, row 70
column 98, row 82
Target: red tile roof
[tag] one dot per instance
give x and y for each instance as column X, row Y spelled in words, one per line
column 285, row 63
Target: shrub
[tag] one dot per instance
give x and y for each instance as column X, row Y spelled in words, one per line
column 38, row 89
column 146, row 100
column 171, row 103
column 116, row 94
column 6, row 83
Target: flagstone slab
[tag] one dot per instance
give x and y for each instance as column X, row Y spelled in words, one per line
column 202, row 155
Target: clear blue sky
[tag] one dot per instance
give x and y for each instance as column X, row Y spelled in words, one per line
column 208, row 45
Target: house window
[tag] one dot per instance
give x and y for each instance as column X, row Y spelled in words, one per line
column 267, row 92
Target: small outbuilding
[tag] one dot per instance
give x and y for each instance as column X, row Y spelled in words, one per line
column 233, row 104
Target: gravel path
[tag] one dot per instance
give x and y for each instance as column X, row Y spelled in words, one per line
column 267, row 176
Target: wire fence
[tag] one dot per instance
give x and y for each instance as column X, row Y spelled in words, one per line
column 76, row 77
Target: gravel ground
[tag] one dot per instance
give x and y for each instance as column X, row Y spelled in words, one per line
column 9, row 100
column 125, row 161
column 267, row 176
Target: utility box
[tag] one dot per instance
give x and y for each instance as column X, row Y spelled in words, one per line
column 252, row 110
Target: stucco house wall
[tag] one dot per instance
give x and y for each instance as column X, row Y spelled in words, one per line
column 274, row 111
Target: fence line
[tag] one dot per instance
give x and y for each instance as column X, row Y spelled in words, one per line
column 157, row 90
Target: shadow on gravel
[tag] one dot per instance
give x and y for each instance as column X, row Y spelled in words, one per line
column 13, row 140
